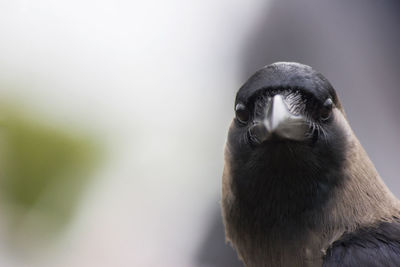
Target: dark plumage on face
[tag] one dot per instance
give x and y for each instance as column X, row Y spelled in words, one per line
column 284, row 103
column 285, row 129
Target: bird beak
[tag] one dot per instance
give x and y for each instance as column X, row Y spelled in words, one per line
column 279, row 121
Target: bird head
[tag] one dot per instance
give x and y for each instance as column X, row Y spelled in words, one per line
column 287, row 105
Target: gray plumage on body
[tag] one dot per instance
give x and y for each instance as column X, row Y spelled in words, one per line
column 298, row 189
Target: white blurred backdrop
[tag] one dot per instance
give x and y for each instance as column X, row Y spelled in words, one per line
column 156, row 80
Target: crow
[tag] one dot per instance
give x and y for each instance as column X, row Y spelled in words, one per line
column 298, row 189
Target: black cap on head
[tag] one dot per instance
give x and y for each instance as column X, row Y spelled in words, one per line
column 288, row 75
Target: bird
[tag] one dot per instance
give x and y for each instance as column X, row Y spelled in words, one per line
column 298, row 189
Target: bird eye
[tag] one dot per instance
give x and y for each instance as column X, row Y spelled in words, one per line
column 242, row 114
column 326, row 110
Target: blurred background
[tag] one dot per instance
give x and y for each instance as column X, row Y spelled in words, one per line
column 114, row 114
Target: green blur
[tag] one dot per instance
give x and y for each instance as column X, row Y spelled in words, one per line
column 44, row 170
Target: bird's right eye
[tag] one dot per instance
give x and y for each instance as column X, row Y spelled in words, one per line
column 242, row 113
column 326, row 110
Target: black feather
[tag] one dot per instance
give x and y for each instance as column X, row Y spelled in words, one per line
column 367, row 247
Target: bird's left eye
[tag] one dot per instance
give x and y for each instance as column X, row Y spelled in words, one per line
column 242, row 114
column 326, row 109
